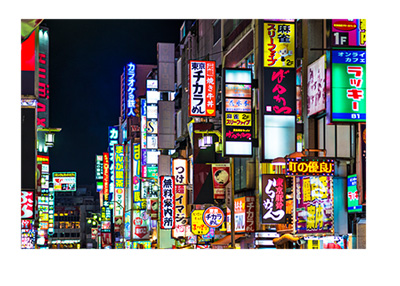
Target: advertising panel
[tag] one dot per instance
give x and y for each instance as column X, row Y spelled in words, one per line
column 180, row 210
column 348, row 86
column 64, row 181
column 106, row 175
column 140, row 224
column 237, row 128
column 127, row 230
column 197, row 225
column 316, row 86
column 279, row 91
column 221, row 177
column 119, row 180
column 349, row 32
column 167, row 201
column 112, row 140
column 279, row 44
column 352, row 195
column 310, row 167
column 213, row 217
column 202, row 91
column 314, row 205
column 99, row 167
column 130, row 89
column 180, row 171
column 26, row 205
column 273, row 199
column 244, row 215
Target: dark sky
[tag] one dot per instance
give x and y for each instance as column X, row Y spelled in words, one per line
column 86, row 61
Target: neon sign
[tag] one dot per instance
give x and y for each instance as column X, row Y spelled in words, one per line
column 131, row 68
column 310, row 167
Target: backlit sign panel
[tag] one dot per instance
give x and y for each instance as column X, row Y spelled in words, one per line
column 99, row 167
column 113, row 134
column 348, row 86
column 310, row 167
column 279, row 44
column 273, row 199
column 119, row 180
column 64, row 181
column 26, row 205
column 349, row 32
column 106, row 175
column 213, row 217
column 140, row 224
column 180, row 206
column 313, row 205
column 352, row 195
column 197, row 225
column 221, row 177
column 167, row 202
column 202, row 90
column 130, row 89
column 180, row 171
column 244, row 215
column 237, row 128
column 316, row 86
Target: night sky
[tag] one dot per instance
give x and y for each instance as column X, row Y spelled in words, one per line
column 86, row 61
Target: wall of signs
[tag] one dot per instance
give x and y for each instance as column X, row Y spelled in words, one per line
column 119, row 173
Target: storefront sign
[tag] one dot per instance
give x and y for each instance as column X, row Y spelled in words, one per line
column 99, row 167
column 113, row 134
column 26, row 204
column 130, row 89
column 167, row 201
column 180, row 171
column 352, row 195
column 273, row 198
column 180, row 205
column 314, row 204
column 106, row 176
column 310, row 167
column 244, row 215
column 279, row 91
column 221, row 177
column 347, row 32
column 140, row 224
column 64, row 181
column 202, row 82
column 316, row 86
column 213, row 217
column 279, row 44
column 197, row 225
column 349, row 86
column 238, row 124
column 119, row 192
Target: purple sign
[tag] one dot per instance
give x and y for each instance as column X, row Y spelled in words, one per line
column 314, row 205
column 349, row 32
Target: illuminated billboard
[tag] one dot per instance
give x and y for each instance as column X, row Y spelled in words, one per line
column 237, row 127
column 167, row 202
column 202, row 90
column 119, row 180
column 64, row 181
column 279, row 44
column 349, row 32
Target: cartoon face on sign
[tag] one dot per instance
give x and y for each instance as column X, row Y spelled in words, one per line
column 221, row 177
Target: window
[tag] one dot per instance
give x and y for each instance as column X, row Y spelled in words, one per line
column 217, row 31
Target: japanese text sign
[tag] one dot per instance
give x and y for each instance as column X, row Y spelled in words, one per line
column 167, row 201
column 221, row 177
column 106, row 175
column 112, row 140
column 279, row 44
column 237, row 99
column 130, row 89
column 349, row 86
column 119, row 196
column 99, row 167
column 140, row 225
column 213, row 217
column 310, row 167
column 26, row 204
column 349, row 32
column 197, row 225
column 279, row 91
column 180, row 205
column 273, row 198
column 180, row 171
column 314, row 205
column 202, row 81
column 244, row 215
column 64, row 181
column 352, row 195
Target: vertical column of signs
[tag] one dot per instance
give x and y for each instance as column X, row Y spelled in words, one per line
column 237, row 114
column 279, row 98
column 119, row 202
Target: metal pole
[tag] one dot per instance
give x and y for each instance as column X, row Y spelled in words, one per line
column 232, row 206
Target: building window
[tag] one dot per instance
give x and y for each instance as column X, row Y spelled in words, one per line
column 217, row 31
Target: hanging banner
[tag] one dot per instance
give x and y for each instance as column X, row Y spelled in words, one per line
column 202, row 82
column 279, row 44
column 316, row 86
column 273, row 199
column 167, row 201
column 314, row 205
column 221, row 177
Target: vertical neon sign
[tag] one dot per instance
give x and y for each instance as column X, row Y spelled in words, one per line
column 130, row 101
